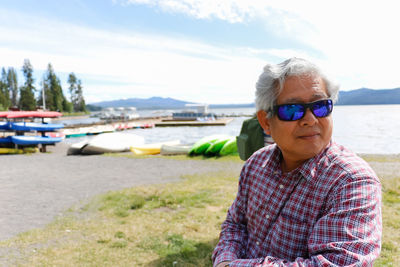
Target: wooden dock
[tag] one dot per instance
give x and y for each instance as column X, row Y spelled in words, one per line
column 172, row 123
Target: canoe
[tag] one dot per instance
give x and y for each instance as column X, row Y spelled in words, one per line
column 229, row 148
column 35, row 140
column 204, row 143
column 152, row 149
column 111, row 143
column 175, row 149
column 216, row 146
column 32, row 126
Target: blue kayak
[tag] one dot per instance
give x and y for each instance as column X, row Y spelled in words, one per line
column 4, row 125
column 35, row 140
column 6, row 140
column 32, row 126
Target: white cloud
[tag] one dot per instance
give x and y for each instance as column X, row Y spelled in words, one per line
column 232, row 11
column 357, row 40
column 133, row 64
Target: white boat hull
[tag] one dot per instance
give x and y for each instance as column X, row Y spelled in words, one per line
column 111, row 143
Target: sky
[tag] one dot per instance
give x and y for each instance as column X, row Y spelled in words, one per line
column 204, row 51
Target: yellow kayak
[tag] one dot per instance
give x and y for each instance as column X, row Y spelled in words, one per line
column 5, row 150
column 151, row 149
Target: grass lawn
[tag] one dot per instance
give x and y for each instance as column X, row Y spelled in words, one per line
column 173, row 224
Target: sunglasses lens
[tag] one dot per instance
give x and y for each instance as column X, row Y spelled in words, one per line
column 290, row 112
column 294, row 112
column 322, row 108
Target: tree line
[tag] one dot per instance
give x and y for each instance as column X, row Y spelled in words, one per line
column 13, row 96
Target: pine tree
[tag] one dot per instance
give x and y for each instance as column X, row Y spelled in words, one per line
column 81, row 105
column 67, row 106
column 72, row 89
column 3, row 89
column 55, row 99
column 12, row 87
column 76, row 92
column 27, row 97
column 48, row 95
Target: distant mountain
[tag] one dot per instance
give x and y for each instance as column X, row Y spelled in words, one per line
column 250, row 105
column 144, row 103
column 363, row 96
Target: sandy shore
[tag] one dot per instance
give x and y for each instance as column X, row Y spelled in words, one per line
column 35, row 188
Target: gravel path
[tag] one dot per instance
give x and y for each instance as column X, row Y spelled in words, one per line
column 36, row 188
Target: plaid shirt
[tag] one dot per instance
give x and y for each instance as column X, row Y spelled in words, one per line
column 327, row 212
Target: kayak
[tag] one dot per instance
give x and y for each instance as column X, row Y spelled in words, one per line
column 32, row 126
column 77, row 132
column 76, row 148
column 216, row 146
column 111, row 143
column 175, row 149
column 152, row 149
column 35, row 140
column 203, row 144
column 230, row 147
column 4, row 125
column 4, row 150
column 6, row 140
column 30, row 114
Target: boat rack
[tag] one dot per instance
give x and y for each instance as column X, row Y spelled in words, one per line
column 21, row 134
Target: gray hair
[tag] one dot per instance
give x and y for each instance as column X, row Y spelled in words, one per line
column 271, row 81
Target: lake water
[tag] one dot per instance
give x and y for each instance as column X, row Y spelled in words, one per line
column 364, row 129
column 368, row 129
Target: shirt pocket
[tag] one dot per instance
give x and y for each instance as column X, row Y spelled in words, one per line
column 289, row 237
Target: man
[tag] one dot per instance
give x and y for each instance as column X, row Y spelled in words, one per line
column 304, row 201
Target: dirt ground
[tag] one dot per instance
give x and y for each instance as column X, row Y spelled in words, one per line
column 35, row 188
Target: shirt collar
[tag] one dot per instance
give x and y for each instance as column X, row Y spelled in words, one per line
column 272, row 161
column 308, row 169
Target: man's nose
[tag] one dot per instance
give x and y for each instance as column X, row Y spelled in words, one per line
column 309, row 118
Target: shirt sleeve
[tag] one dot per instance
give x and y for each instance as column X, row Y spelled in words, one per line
column 233, row 236
column 349, row 234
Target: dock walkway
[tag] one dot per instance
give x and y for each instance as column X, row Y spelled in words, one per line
column 174, row 123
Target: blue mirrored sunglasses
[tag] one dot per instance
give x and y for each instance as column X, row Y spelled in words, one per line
column 296, row 111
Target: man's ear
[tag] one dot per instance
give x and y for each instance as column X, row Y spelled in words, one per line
column 264, row 121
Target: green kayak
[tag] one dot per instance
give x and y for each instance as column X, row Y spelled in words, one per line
column 229, row 147
column 216, row 146
column 203, row 144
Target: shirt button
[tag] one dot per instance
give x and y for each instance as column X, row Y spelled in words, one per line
column 281, row 186
column 267, row 216
column 258, row 243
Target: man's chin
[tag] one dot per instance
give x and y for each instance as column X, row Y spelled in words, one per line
column 311, row 151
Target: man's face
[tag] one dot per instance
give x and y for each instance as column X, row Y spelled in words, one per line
column 302, row 139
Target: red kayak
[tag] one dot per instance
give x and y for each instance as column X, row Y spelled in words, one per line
column 29, row 114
